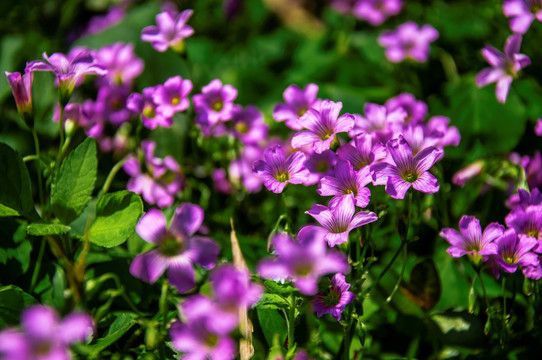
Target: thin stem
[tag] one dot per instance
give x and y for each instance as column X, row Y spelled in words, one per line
column 504, row 323
column 287, row 227
column 28, row 158
column 61, row 133
column 111, row 176
column 38, row 166
column 36, row 271
column 400, row 276
column 291, row 321
column 163, row 304
column 483, row 288
column 395, row 256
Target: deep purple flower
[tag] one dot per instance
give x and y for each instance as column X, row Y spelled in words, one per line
column 538, row 127
column 522, row 13
column 378, row 121
column 205, row 335
column 44, row 336
column 362, row 151
column 408, row 41
column 21, row 87
column 533, row 169
column 319, row 165
column 162, row 181
column 232, row 288
column 68, row 70
column 214, row 104
column 416, row 109
column 526, row 220
column 169, row 32
column 514, row 250
column 504, row 67
column 335, row 300
column 337, row 220
column 375, row 12
column 471, row 241
column 435, row 133
column 220, row 181
column 407, row 170
column 322, row 126
column 345, row 182
column 277, row 171
column 297, row 103
column 145, row 105
column 172, row 97
column 525, row 199
column 122, row 65
column 177, row 249
column 303, row 261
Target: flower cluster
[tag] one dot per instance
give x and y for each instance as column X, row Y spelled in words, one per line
column 375, row 12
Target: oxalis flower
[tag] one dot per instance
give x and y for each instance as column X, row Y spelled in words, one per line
column 176, row 248
column 303, row 261
column 297, row 103
column 408, row 41
column 504, row 67
column 339, row 219
column 407, row 170
column 522, row 13
column 322, row 126
column 471, row 241
column 335, row 300
column 277, row 171
column 21, row 87
column 347, row 181
column 169, row 32
column 44, row 336
column 514, row 250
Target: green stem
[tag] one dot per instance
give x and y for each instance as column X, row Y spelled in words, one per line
column 287, row 226
column 38, row 265
column 504, row 324
column 291, row 321
column 111, row 176
column 28, row 158
column 38, row 166
column 483, row 288
column 163, row 305
column 396, row 287
column 388, row 266
column 61, row 133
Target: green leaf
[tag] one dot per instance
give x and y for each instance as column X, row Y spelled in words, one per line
column 72, row 187
column 41, row 229
column 272, row 323
column 15, row 191
column 272, row 301
column 276, row 288
column 119, row 327
column 116, row 217
column 12, row 301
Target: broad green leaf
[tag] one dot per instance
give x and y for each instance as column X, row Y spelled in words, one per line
column 119, row 327
column 42, row 229
column 15, row 190
column 276, row 288
column 272, row 301
column 72, row 187
column 116, row 217
column 272, row 323
column 12, row 301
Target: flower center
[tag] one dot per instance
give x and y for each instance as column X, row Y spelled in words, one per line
column 322, row 167
column 171, row 246
column 410, row 177
column 326, row 136
column 282, row 177
column 241, row 128
column 333, row 298
column 302, row 111
column 175, row 100
column 534, row 233
column 148, row 112
column 211, row 340
column 116, row 104
column 42, row 349
column 303, row 269
column 217, row 105
column 510, row 259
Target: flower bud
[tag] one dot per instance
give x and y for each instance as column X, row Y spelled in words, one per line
column 21, row 87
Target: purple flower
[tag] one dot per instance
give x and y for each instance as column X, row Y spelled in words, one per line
column 205, row 335
column 111, row 104
column 504, row 67
column 319, row 165
column 378, row 121
column 298, row 102
column 68, row 70
column 277, row 171
column 525, row 199
column 514, row 250
column 335, row 301
column 44, row 336
column 435, row 133
column 407, row 170
column 345, row 182
column 172, row 97
column 522, row 13
column 232, row 288
column 322, row 125
column 214, row 104
column 416, row 109
column 408, row 41
column 339, row 219
column 220, row 181
column 21, row 87
column 248, row 124
column 538, row 127
column 377, row 11
column 363, row 151
column 176, row 247
column 471, row 241
column 170, row 32
column 163, row 180
column 303, row 261
column 121, row 63
column 526, row 221
column 145, row 105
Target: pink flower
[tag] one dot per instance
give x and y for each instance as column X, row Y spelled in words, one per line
column 169, row 32
column 408, row 41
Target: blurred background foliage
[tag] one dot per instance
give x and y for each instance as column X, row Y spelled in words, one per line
column 261, row 49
